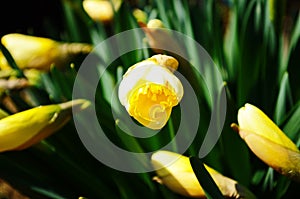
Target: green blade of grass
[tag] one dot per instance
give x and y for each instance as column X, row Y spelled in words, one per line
column 163, row 9
column 11, row 61
column 205, row 180
column 282, row 186
column 292, row 126
column 284, row 100
column 286, row 49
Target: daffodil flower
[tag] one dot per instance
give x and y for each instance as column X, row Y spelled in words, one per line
column 175, row 172
column 159, row 37
column 268, row 142
column 39, row 52
column 24, row 129
column 101, row 10
column 149, row 90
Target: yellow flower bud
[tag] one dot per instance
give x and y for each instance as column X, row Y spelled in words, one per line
column 24, row 129
column 155, row 23
column 175, row 171
column 40, row 53
column 252, row 119
column 140, row 15
column 149, row 90
column 268, row 142
column 160, row 38
column 101, row 10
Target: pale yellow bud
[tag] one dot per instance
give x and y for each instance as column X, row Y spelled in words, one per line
column 40, row 53
column 101, row 10
column 160, row 38
column 155, row 23
column 24, row 129
column 268, row 142
column 252, row 119
column 175, row 171
column 140, row 15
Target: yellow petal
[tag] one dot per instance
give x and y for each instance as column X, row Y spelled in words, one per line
column 282, row 159
column 252, row 119
column 149, row 90
column 166, row 61
column 23, row 129
column 175, row 172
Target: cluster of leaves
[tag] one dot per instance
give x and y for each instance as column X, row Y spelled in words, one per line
column 253, row 43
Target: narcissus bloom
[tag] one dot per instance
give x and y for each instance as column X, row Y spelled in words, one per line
column 268, row 142
column 101, row 10
column 39, row 52
column 175, row 171
column 149, row 90
column 24, row 129
column 159, row 37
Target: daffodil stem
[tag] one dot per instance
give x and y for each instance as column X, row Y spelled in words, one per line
column 172, row 133
column 204, row 178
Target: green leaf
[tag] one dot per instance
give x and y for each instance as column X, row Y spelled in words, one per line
column 205, row 180
column 284, row 100
column 3, row 113
column 292, row 126
column 282, row 186
column 11, row 60
column 163, row 7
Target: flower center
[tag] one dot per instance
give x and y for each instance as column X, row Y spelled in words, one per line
column 151, row 104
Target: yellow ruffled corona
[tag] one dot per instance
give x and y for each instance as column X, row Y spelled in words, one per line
column 39, row 52
column 175, row 172
column 268, row 142
column 24, row 129
column 149, row 90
